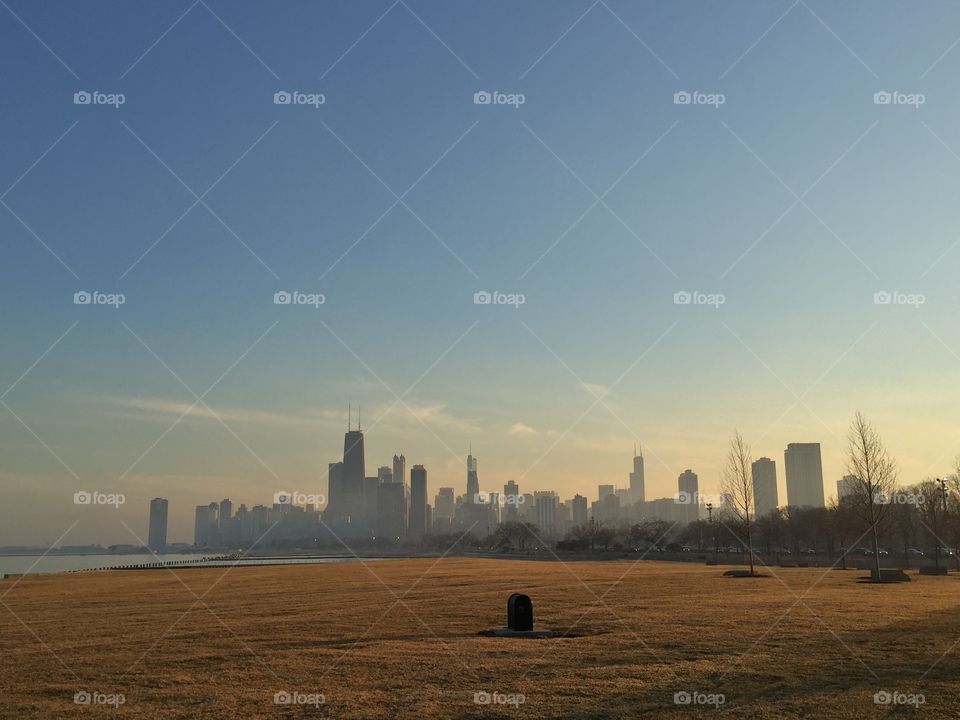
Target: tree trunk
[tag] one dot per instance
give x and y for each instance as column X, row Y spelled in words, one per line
column 876, row 542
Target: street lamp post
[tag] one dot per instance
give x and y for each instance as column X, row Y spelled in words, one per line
column 713, row 527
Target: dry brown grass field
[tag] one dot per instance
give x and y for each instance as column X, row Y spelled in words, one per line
column 398, row 639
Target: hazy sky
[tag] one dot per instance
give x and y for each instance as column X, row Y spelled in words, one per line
column 798, row 198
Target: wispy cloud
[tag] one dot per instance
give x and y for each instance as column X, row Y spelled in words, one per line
column 519, row 429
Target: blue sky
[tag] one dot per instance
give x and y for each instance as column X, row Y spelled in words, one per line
column 703, row 199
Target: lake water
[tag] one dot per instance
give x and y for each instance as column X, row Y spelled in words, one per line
column 34, row 564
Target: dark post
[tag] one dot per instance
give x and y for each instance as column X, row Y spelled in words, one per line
column 519, row 613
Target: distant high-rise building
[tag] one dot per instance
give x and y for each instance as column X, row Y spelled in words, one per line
column 157, row 534
column 638, row 492
column 511, row 501
column 225, row 514
column 689, row 483
column 384, row 474
column 473, row 480
column 336, row 503
column 418, row 502
column 847, row 486
column 391, row 506
column 444, row 504
column 804, row 475
column 546, row 503
column 579, row 510
column 399, row 469
column 604, row 490
column 764, row 486
column 205, row 524
column 353, row 474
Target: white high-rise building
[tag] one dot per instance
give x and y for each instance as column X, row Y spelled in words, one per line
column 764, row 486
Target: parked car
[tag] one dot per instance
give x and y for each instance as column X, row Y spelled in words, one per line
column 863, row 552
column 944, row 551
column 913, row 552
column 785, row 551
column 808, row 551
column 883, row 552
column 685, row 548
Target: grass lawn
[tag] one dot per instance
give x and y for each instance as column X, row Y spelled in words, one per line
column 398, row 639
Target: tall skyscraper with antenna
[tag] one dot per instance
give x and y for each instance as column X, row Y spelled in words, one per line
column 638, row 492
column 473, row 480
column 353, row 471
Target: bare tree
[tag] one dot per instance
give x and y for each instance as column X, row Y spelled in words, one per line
column 875, row 475
column 737, row 484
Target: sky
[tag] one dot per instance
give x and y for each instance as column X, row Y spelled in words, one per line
column 813, row 224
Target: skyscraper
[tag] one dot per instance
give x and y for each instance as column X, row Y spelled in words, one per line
column 399, row 469
column 688, row 507
column 604, row 490
column 352, row 477
column 157, row 534
column 804, row 474
column 391, row 504
column 579, row 509
column 546, row 503
column 385, row 474
column 205, row 524
column 638, row 491
column 511, row 495
column 226, row 512
column 764, row 472
column 335, row 500
column 473, row 481
column 418, row 502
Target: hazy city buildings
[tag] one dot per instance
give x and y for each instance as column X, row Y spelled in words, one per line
column 546, row 502
column 804, row 474
column 578, row 510
column 764, row 486
column 157, row 533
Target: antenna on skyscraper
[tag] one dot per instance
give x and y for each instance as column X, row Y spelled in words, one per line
column 349, row 416
column 358, row 418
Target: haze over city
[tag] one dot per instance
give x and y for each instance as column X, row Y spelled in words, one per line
column 704, row 199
